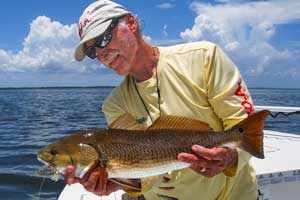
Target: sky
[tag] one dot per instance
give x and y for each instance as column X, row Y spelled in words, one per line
column 262, row 38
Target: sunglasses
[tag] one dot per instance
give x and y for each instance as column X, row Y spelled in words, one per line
column 101, row 41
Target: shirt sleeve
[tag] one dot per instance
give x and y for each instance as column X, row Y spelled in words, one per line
column 228, row 95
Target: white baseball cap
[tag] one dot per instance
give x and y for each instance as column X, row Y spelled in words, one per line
column 95, row 20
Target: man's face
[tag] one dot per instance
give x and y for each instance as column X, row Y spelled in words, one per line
column 120, row 52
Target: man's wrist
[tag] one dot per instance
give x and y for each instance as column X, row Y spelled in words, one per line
column 231, row 168
column 232, row 157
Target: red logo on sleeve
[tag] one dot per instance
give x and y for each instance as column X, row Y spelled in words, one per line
column 247, row 105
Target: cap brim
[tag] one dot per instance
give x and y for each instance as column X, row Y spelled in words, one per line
column 79, row 54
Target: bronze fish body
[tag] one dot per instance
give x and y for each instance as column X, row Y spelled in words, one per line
column 135, row 152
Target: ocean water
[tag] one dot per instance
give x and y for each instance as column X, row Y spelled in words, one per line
column 32, row 118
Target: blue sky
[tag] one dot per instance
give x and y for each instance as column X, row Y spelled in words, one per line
column 262, row 37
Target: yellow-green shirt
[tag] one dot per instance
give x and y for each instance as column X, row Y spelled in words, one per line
column 196, row 80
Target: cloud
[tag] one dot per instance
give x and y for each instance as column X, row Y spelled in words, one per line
column 49, row 47
column 164, row 31
column 167, row 42
column 246, row 30
column 165, row 5
column 147, row 38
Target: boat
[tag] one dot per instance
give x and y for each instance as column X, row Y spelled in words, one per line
column 278, row 175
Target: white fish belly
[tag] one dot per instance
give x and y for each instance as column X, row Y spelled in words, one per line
column 146, row 172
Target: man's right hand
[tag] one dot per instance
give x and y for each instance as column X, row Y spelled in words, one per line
column 93, row 181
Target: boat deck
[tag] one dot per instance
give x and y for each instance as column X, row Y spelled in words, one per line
column 278, row 175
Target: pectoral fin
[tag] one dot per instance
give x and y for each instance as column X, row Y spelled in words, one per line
column 133, row 185
column 102, row 178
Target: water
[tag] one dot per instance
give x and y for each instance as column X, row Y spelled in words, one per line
column 32, row 118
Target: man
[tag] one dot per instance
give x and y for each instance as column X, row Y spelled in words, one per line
column 195, row 80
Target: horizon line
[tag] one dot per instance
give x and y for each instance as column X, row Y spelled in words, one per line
column 110, row 86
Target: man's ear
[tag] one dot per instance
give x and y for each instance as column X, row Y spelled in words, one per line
column 131, row 22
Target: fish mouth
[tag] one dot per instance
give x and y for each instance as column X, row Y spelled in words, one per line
column 45, row 157
column 51, row 169
column 50, row 166
column 44, row 162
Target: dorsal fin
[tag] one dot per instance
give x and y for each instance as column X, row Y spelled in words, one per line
column 177, row 122
column 126, row 121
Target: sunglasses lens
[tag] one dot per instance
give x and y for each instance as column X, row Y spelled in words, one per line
column 105, row 40
column 101, row 41
column 90, row 52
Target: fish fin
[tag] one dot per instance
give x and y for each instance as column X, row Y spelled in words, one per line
column 252, row 129
column 126, row 121
column 102, row 178
column 177, row 122
column 133, row 185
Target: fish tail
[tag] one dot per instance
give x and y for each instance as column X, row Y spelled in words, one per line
column 252, row 129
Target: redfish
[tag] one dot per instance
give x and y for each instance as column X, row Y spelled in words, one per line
column 126, row 150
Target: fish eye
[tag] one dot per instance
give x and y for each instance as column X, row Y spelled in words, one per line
column 53, row 152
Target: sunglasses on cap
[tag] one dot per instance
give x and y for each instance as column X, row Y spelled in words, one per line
column 101, row 41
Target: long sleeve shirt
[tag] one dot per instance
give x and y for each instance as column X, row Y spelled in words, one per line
column 195, row 80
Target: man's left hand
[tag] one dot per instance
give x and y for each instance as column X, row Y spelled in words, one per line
column 210, row 161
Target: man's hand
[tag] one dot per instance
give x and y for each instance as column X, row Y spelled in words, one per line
column 92, row 181
column 210, row 161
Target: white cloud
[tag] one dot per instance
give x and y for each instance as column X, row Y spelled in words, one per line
column 167, row 42
column 147, row 38
column 164, row 31
column 232, row 46
column 246, row 30
column 4, row 58
column 49, row 46
column 165, row 5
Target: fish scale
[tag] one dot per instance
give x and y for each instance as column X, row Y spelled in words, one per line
column 159, row 145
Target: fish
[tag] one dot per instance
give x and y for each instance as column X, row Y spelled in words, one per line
column 127, row 150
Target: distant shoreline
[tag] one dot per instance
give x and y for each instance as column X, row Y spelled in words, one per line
column 78, row 87
column 55, row 87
